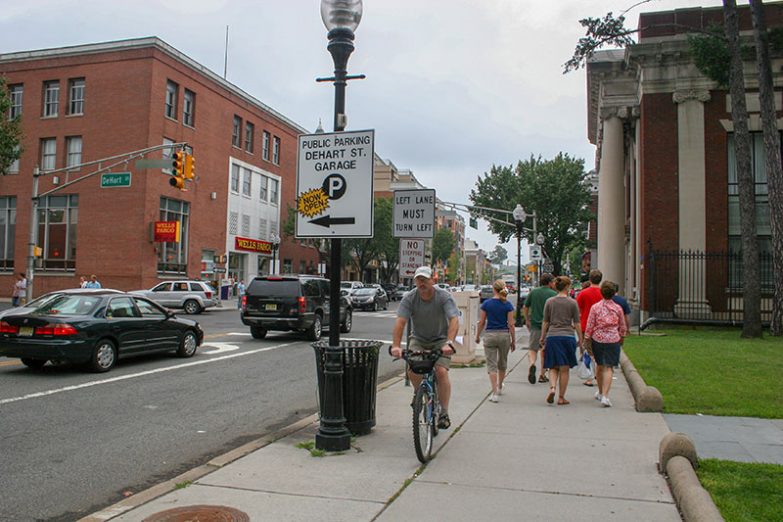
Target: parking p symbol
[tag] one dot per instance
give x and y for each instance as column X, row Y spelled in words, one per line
column 334, row 186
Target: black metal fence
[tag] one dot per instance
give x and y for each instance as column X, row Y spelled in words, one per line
column 704, row 286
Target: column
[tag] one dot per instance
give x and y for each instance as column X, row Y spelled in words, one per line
column 611, row 201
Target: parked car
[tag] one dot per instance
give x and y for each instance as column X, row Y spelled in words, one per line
column 485, row 292
column 471, row 288
column 94, row 327
column 291, row 303
column 524, row 291
column 401, row 291
column 370, row 299
column 444, row 286
column 391, row 290
column 191, row 296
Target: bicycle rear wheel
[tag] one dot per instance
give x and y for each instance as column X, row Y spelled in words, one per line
column 423, row 421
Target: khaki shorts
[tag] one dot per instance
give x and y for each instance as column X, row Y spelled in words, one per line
column 418, row 346
column 496, row 347
column 535, row 339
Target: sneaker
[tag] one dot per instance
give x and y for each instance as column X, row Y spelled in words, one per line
column 606, row 402
column 598, row 396
column 531, row 374
column 500, row 389
column 493, row 397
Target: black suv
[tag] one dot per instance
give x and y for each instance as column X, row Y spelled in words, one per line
column 291, row 302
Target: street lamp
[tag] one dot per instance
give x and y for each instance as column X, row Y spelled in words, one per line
column 341, row 18
column 275, row 246
column 540, row 243
column 519, row 219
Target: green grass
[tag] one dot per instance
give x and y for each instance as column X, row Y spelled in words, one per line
column 712, row 371
column 744, row 491
column 183, row 485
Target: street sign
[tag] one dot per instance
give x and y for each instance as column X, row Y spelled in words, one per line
column 153, row 163
column 413, row 213
column 115, row 179
column 411, row 256
column 334, row 184
column 535, row 252
column 219, row 270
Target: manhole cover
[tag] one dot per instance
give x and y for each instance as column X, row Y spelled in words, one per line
column 199, row 514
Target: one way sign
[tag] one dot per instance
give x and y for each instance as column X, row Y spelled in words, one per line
column 334, row 185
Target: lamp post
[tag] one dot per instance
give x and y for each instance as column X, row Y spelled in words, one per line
column 341, row 18
column 540, row 243
column 275, row 246
column 519, row 219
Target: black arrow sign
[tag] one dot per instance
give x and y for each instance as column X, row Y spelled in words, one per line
column 327, row 221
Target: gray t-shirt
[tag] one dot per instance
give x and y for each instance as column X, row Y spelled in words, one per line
column 430, row 319
column 561, row 313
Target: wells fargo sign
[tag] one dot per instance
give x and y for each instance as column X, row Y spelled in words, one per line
column 167, row 231
column 252, row 245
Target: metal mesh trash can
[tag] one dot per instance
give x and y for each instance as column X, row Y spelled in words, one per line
column 360, row 380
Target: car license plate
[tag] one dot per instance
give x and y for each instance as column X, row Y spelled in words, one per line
column 26, row 331
column 271, row 307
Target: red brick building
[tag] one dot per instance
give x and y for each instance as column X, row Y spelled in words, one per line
column 89, row 102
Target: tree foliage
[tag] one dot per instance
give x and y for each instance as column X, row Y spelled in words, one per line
column 10, row 131
column 388, row 247
column 599, row 32
column 443, row 244
column 498, row 256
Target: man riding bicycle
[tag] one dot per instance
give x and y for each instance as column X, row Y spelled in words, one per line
column 435, row 323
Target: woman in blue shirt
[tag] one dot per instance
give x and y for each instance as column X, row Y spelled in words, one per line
column 497, row 315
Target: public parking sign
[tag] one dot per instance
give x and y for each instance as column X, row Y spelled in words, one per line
column 334, row 185
column 411, row 256
column 414, row 213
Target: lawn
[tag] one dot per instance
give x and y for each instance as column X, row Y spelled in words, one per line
column 744, row 491
column 712, row 371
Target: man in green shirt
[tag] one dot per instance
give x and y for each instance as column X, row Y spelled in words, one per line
column 534, row 316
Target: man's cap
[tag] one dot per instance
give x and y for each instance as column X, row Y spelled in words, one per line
column 423, row 271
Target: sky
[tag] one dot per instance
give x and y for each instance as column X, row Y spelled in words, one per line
column 453, row 86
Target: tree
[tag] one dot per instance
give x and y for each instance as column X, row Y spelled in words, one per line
column 556, row 190
column 388, row 247
column 498, row 255
column 453, row 266
column 442, row 245
column 10, row 131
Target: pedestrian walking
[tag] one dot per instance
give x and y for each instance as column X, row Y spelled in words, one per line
column 19, row 293
column 558, row 331
column 82, row 281
column 240, row 293
column 623, row 302
column 534, row 315
column 497, row 314
column 604, row 333
column 93, row 282
column 586, row 299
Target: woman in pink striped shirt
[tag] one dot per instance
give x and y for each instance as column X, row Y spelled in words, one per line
column 606, row 328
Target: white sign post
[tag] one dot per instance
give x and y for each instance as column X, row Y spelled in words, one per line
column 334, row 184
column 411, row 256
column 535, row 252
column 414, row 213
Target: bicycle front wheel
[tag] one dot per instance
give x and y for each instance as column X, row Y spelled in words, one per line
column 423, row 421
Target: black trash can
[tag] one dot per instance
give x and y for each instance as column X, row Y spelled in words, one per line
column 360, row 381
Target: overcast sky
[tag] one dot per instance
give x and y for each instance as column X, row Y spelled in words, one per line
column 453, row 86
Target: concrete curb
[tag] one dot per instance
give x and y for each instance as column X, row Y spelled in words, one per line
column 647, row 398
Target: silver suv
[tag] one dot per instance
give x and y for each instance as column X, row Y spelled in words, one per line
column 192, row 296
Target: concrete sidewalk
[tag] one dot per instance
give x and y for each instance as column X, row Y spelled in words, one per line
column 518, row 459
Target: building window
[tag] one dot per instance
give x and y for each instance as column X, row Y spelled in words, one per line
column 273, row 228
column 167, row 154
column 233, row 222
column 264, row 193
column 265, row 146
column 235, row 178
column 58, row 217
column 7, row 232
column 276, row 151
column 245, row 225
column 172, row 89
column 249, row 136
column 173, row 257
column 14, row 167
column 236, row 133
column 189, row 108
column 76, row 96
column 273, row 184
column 247, row 175
column 262, row 231
column 51, row 98
column 74, row 148
column 48, row 153
column 16, row 93
column 288, row 266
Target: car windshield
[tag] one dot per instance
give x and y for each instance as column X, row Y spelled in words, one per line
column 345, row 285
column 365, row 291
column 68, row 305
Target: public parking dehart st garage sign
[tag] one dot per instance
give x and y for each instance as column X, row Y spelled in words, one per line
column 334, row 185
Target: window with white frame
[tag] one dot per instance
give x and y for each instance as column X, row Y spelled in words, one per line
column 273, row 184
column 265, row 146
column 167, row 153
column 172, row 89
column 264, row 193
column 276, row 151
column 7, row 232
column 58, row 217
column 236, row 133
column 273, row 228
column 234, row 178
column 263, row 233
column 245, row 225
column 189, row 108
column 233, row 222
column 76, row 96
column 48, row 153
column 74, row 150
column 173, row 256
column 15, row 93
column 249, row 136
column 247, row 176
column 51, row 97
column 14, row 167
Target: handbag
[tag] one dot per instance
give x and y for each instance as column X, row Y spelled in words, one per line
column 584, row 369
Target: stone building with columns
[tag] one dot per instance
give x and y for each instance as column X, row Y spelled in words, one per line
column 665, row 164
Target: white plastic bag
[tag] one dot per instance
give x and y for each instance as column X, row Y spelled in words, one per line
column 584, row 369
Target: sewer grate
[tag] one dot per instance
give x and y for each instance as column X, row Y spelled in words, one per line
column 199, row 514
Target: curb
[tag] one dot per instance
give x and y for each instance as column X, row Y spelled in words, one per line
column 678, row 459
column 214, row 464
column 647, row 398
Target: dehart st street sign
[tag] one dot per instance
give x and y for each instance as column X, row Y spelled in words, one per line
column 334, row 184
column 414, row 213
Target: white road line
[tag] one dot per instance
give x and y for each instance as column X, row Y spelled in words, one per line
column 140, row 374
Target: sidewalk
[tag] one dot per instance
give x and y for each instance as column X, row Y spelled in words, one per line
column 518, row 459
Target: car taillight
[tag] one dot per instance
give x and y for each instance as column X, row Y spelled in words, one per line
column 244, row 302
column 8, row 328
column 56, row 329
column 208, row 294
column 302, row 304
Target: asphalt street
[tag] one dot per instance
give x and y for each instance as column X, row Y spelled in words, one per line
column 73, row 441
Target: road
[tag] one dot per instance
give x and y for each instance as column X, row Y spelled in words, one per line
column 74, row 442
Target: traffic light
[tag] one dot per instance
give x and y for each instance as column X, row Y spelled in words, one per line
column 177, row 170
column 190, row 167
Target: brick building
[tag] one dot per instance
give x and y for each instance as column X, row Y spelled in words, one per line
column 84, row 103
column 665, row 163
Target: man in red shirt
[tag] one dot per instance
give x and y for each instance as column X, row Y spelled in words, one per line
column 586, row 299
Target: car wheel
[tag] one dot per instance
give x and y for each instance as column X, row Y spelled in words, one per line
column 104, row 356
column 348, row 323
column 188, row 345
column 191, row 307
column 314, row 332
column 33, row 364
column 257, row 332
